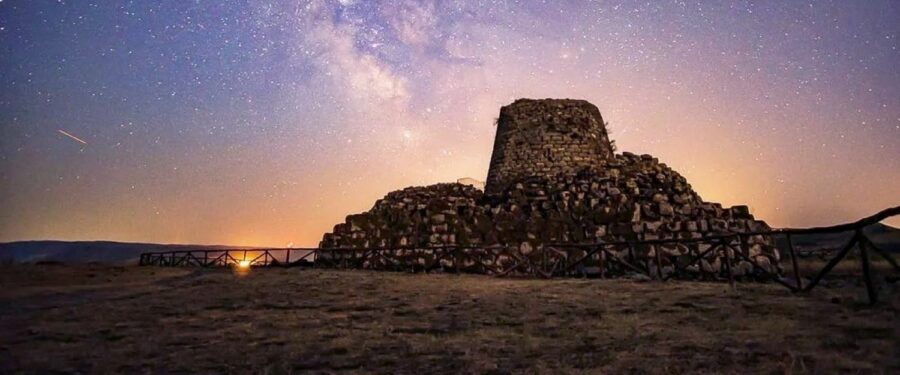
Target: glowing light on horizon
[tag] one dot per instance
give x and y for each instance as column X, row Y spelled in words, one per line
column 255, row 124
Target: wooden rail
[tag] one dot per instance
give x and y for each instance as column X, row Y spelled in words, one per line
column 604, row 259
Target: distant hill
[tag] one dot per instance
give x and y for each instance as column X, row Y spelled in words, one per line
column 87, row 251
column 885, row 237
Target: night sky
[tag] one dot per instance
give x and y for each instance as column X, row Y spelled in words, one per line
column 265, row 123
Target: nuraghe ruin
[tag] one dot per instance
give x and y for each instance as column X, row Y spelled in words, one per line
column 554, row 178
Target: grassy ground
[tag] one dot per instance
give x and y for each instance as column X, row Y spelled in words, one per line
column 133, row 320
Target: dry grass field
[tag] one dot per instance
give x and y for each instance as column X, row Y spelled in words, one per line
column 101, row 319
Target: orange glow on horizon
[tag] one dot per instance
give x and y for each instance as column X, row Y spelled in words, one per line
column 796, row 119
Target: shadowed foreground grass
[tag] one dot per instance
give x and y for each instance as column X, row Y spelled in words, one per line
column 132, row 320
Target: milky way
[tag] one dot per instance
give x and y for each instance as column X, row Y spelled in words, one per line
column 265, row 123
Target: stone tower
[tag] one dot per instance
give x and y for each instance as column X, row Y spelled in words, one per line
column 540, row 138
column 554, row 179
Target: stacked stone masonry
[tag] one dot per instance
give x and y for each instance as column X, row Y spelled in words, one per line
column 545, row 137
column 594, row 197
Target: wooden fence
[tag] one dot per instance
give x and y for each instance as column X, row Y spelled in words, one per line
column 715, row 257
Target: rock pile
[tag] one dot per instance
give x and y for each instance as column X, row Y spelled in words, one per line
column 415, row 216
column 623, row 197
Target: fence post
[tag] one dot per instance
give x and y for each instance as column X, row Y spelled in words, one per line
column 631, row 253
column 544, row 267
column 867, row 272
column 745, row 252
column 726, row 246
column 656, row 249
column 796, row 268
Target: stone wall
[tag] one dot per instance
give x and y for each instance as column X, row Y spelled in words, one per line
column 590, row 195
column 633, row 198
column 546, row 137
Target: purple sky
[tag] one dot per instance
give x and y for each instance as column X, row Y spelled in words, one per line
column 266, row 123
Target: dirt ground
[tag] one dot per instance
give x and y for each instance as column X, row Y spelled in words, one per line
column 99, row 319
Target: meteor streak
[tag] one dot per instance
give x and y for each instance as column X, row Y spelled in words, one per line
column 72, row 136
